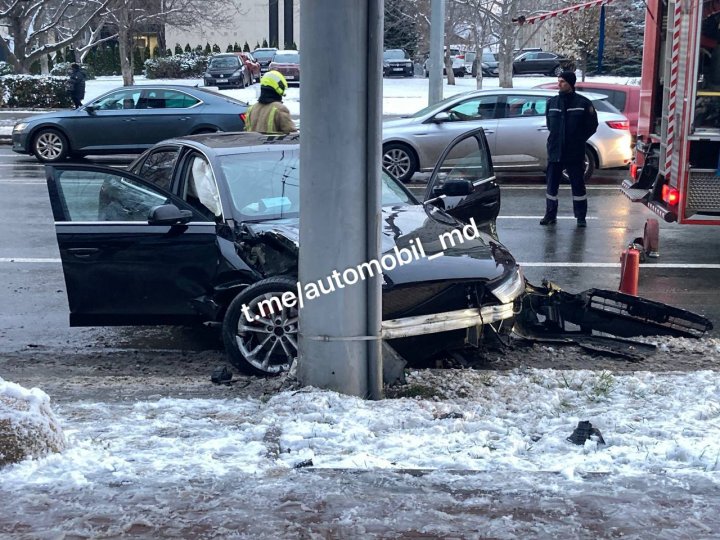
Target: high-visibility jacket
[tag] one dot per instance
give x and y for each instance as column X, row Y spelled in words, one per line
column 271, row 118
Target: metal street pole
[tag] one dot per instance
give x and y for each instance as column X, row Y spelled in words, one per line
column 340, row 157
column 437, row 40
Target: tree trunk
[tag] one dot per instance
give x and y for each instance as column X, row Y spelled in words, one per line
column 584, row 64
column 21, row 64
column 478, row 68
column 126, row 59
column 448, row 69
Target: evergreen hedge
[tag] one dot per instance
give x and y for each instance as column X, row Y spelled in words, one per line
column 34, row 91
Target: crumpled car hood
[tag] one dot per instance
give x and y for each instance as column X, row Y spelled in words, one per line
column 426, row 248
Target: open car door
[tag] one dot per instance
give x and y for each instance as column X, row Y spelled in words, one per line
column 465, row 180
column 131, row 252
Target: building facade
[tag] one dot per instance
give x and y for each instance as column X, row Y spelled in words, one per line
column 274, row 21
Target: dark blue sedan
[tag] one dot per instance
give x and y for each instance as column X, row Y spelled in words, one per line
column 128, row 120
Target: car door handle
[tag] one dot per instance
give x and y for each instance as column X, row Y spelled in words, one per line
column 83, row 252
column 542, row 128
column 184, row 118
column 489, row 131
column 129, row 120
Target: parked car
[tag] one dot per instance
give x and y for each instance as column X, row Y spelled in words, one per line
column 397, row 62
column 126, row 120
column 488, row 64
column 458, row 67
column 264, row 56
column 200, row 227
column 227, row 70
column 287, row 62
column 548, row 63
column 625, row 97
column 252, row 65
column 514, row 122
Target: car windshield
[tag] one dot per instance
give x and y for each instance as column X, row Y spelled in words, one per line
column 290, row 58
column 430, row 108
column 488, row 57
column 394, row 54
column 266, row 185
column 263, row 55
column 224, row 62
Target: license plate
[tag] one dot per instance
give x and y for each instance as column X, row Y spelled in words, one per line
column 398, row 69
column 221, row 81
column 290, row 77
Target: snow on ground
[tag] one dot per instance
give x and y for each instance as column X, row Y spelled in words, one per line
column 400, row 95
column 464, row 454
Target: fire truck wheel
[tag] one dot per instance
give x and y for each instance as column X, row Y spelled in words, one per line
column 651, row 237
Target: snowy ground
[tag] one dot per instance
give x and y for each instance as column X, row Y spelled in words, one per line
column 156, row 451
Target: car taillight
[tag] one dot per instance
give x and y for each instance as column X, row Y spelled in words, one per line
column 633, row 171
column 243, row 116
column 461, row 56
column 670, row 195
column 618, row 124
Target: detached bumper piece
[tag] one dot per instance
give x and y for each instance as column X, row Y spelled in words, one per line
column 598, row 319
column 443, row 322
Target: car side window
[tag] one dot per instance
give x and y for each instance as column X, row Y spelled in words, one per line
column 199, row 188
column 545, row 56
column 480, row 108
column 166, row 99
column 519, row 106
column 105, row 196
column 121, row 100
column 158, row 167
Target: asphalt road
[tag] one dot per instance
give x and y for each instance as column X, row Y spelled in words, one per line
column 33, row 305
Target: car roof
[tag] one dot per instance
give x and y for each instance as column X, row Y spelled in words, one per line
column 595, row 84
column 287, row 51
column 229, row 142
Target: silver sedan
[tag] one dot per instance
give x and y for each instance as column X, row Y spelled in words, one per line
column 514, row 123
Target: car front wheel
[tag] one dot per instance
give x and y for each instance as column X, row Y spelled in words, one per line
column 259, row 332
column 589, row 166
column 557, row 71
column 50, row 146
column 400, row 160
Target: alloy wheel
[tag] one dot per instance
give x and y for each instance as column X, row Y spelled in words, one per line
column 397, row 161
column 49, row 146
column 268, row 342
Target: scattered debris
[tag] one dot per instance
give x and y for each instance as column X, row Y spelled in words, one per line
column 221, row 375
column 585, row 431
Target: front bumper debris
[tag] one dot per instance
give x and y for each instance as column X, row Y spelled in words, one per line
column 444, row 322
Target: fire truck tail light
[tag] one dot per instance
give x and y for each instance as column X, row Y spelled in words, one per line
column 618, row 124
column 670, row 195
column 634, row 171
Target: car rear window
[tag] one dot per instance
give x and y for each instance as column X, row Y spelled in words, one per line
column 287, row 58
column 263, row 55
column 617, row 98
column 603, row 105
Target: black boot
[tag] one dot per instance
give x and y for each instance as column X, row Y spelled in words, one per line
column 548, row 220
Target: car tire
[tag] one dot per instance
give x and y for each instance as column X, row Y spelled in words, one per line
column 589, row 166
column 557, row 71
column 400, row 160
column 266, row 346
column 50, row 146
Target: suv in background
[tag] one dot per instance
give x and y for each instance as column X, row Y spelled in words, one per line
column 541, row 62
column 264, row 56
column 227, row 70
column 625, row 97
column 397, row 62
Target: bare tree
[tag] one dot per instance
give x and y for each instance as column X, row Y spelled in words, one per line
column 578, row 35
column 40, row 27
column 129, row 17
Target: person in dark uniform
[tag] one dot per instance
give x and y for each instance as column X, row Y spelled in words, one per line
column 571, row 120
column 77, row 85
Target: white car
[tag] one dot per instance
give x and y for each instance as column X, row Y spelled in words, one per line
column 514, row 123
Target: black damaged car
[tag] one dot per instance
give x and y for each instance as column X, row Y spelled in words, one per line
column 200, row 227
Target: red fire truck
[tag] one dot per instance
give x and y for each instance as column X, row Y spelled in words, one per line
column 676, row 173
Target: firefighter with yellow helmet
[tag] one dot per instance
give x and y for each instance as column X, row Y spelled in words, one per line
column 269, row 115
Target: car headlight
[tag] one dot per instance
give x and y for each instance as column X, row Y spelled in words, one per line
column 237, row 73
column 207, row 75
column 511, row 287
column 20, row 127
column 485, row 65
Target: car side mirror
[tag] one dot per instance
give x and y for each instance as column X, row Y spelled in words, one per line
column 90, row 109
column 168, row 214
column 454, row 188
column 441, row 117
